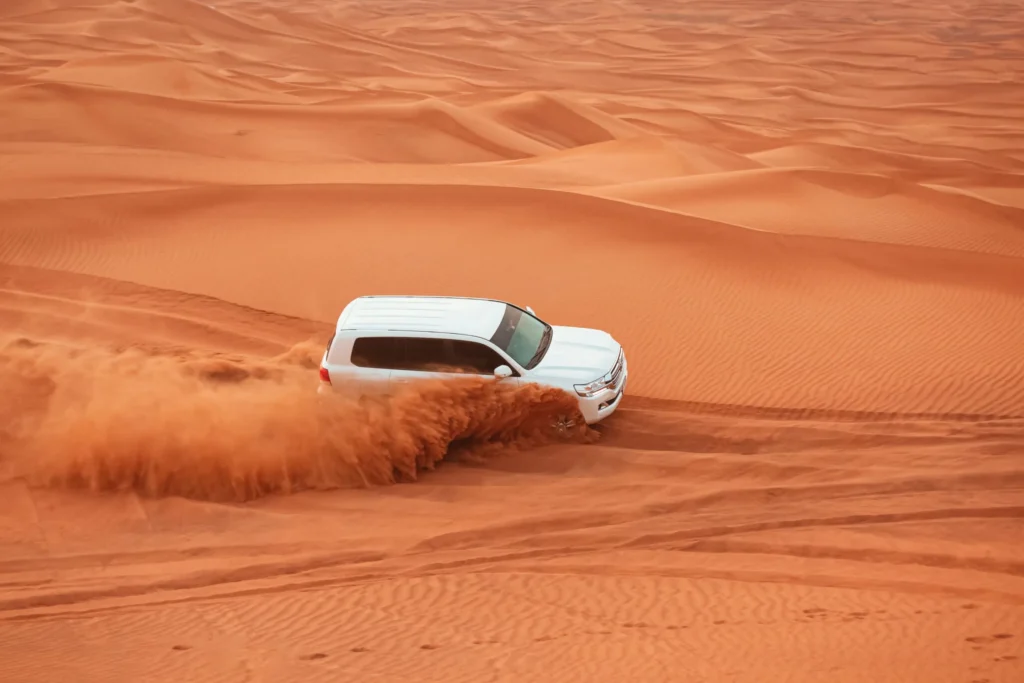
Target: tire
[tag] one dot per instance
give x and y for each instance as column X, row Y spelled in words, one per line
column 566, row 425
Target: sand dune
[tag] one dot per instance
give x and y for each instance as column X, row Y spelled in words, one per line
column 165, row 76
column 860, row 206
column 427, row 132
column 805, row 223
column 555, row 121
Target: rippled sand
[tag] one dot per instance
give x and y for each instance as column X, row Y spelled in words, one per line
column 804, row 222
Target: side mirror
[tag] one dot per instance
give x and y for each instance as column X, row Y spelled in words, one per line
column 530, row 311
column 502, row 372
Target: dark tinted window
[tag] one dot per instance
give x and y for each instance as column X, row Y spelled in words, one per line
column 378, row 352
column 473, row 357
column 424, row 354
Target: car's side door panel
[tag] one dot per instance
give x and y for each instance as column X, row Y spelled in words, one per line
column 372, row 359
column 476, row 358
column 421, row 358
column 437, row 358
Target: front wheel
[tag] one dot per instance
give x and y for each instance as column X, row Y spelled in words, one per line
column 564, row 425
column 569, row 426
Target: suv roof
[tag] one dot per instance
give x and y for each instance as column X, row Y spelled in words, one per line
column 446, row 314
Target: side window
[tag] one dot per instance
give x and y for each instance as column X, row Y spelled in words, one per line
column 377, row 352
column 425, row 354
column 476, row 358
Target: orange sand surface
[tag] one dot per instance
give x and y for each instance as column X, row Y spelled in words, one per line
column 804, row 221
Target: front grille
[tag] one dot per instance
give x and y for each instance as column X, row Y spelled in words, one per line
column 616, row 373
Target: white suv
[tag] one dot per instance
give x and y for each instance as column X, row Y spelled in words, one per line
column 383, row 340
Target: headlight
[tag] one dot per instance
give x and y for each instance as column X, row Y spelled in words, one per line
column 592, row 388
column 601, row 383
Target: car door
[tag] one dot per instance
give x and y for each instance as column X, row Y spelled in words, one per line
column 373, row 359
column 477, row 358
column 430, row 357
column 421, row 358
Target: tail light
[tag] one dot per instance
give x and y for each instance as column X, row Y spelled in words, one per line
column 325, row 376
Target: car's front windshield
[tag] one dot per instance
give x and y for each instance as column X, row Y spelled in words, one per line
column 522, row 336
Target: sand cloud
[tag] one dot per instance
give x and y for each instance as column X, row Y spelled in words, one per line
column 234, row 429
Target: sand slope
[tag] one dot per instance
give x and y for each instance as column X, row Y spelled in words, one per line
column 805, row 223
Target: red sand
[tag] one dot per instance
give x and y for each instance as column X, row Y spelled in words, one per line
column 804, row 222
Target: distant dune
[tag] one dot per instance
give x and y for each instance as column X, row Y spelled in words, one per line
column 804, row 222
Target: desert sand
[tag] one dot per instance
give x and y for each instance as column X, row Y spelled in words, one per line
column 804, row 222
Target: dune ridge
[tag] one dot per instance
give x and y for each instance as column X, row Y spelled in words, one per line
column 803, row 221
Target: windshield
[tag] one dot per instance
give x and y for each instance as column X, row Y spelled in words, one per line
column 522, row 336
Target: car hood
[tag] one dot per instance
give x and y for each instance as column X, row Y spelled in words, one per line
column 578, row 354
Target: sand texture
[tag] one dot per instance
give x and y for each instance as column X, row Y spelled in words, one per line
column 804, row 221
